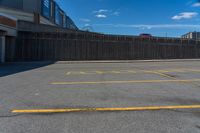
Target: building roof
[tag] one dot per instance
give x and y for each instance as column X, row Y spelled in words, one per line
column 8, row 16
column 6, row 20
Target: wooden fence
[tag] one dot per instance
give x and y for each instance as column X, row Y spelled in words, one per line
column 37, row 46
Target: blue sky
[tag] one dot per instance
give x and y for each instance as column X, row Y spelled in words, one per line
column 132, row 17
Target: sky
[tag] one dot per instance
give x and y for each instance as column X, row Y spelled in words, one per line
column 171, row 18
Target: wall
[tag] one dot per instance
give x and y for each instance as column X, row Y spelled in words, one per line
column 24, row 5
column 45, row 21
column 32, row 5
column 32, row 46
column 17, row 4
column 20, row 15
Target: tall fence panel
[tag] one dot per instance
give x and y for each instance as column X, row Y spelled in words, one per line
column 37, row 46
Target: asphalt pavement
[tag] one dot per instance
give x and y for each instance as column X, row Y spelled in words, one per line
column 100, row 97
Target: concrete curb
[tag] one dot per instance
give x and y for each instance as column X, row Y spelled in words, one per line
column 101, row 61
column 125, row 61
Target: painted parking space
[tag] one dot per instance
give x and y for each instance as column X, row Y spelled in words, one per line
column 126, row 82
column 131, row 71
column 100, row 72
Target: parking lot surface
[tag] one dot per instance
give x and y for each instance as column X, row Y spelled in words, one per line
column 140, row 97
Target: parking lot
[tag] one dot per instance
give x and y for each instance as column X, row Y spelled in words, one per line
column 141, row 97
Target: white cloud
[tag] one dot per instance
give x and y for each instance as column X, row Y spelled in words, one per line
column 85, row 20
column 196, row 4
column 104, row 13
column 87, row 25
column 156, row 26
column 116, row 13
column 101, row 16
column 101, row 11
column 185, row 15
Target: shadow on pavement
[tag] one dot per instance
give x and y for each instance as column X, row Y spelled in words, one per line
column 13, row 68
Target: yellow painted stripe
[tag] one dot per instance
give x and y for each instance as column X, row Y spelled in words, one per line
column 116, row 72
column 131, row 71
column 67, row 110
column 194, row 70
column 160, row 74
column 123, row 82
column 99, row 72
column 68, row 73
column 83, row 73
column 164, row 75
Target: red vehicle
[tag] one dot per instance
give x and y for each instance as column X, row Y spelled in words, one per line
column 146, row 35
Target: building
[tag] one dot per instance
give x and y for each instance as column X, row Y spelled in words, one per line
column 37, row 11
column 8, row 30
column 14, row 12
column 192, row 35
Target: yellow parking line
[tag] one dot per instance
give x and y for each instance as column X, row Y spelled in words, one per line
column 160, row 74
column 181, row 70
column 166, row 71
column 178, row 70
column 116, row 72
column 99, row 72
column 68, row 110
column 164, row 75
column 131, row 71
column 68, row 73
column 123, row 82
column 82, row 72
column 194, row 70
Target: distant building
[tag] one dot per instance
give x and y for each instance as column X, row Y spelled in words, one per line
column 38, row 11
column 192, row 35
